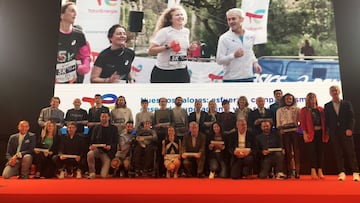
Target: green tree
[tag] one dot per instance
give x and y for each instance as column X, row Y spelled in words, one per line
column 289, row 23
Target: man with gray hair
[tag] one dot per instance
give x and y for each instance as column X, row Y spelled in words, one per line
column 235, row 50
column 193, row 151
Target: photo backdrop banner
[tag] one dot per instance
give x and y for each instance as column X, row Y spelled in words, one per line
column 96, row 17
column 217, row 91
column 256, row 18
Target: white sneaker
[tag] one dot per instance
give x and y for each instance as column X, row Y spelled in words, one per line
column 280, row 176
column 212, row 175
column 91, row 176
column 342, row 176
column 78, row 174
column 355, row 176
column 62, row 175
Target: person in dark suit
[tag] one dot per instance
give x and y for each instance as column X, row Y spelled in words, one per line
column 258, row 115
column 339, row 122
column 198, row 115
column 193, row 151
column 242, row 149
column 18, row 152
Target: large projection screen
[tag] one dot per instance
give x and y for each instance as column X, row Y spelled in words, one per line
column 297, row 77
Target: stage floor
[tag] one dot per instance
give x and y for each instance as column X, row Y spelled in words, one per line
column 180, row 190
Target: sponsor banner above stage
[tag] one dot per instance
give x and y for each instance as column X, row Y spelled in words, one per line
column 206, row 91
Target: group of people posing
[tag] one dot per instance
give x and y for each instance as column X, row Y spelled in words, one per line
column 172, row 143
column 170, row 43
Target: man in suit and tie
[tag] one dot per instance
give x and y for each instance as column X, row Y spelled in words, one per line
column 198, row 115
column 258, row 115
column 340, row 121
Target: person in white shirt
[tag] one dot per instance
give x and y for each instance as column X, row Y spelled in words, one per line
column 121, row 114
column 143, row 115
column 171, row 43
column 287, row 121
column 235, row 50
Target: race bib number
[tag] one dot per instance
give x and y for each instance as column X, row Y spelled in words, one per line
column 177, row 59
column 119, row 120
column 66, row 72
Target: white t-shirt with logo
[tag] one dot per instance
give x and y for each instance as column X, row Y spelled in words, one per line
column 168, row 59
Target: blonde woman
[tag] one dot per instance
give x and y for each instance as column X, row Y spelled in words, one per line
column 45, row 149
column 170, row 43
column 243, row 109
column 312, row 122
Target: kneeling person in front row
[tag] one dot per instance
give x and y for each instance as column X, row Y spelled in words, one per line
column 18, row 153
column 271, row 151
column 103, row 142
column 193, row 151
column 71, row 155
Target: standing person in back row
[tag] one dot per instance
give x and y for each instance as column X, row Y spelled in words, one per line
column 235, row 50
column 171, row 43
column 340, row 122
column 52, row 113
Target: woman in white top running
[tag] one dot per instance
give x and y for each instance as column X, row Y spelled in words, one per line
column 170, row 43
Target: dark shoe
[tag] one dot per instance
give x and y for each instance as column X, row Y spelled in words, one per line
column 138, row 173
column 149, row 173
column 201, row 175
column 23, row 177
column 297, row 175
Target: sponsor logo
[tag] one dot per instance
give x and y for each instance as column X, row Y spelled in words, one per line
column 107, row 99
column 107, row 2
column 256, row 16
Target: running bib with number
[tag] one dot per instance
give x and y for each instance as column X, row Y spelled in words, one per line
column 177, row 59
column 66, row 72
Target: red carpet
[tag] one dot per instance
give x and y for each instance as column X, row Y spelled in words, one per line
column 180, row 190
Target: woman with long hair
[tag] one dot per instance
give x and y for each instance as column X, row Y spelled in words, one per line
column 243, row 109
column 46, row 148
column 312, row 123
column 218, row 155
column 170, row 43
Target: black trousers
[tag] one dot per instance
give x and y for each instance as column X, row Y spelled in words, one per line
column 241, row 167
column 291, row 143
column 315, row 150
column 170, row 76
column 342, row 143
